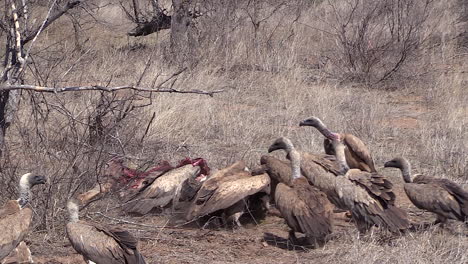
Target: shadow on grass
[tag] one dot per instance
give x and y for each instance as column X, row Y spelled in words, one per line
column 279, row 242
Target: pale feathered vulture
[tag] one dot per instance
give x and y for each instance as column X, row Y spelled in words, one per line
column 20, row 255
column 14, row 217
column 443, row 197
column 369, row 197
column 357, row 154
column 228, row 190
column 304, row 207
column 99, row 243
column 319, row 170
column 162, row 191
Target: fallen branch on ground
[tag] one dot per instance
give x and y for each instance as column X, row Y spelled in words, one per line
column 180, row 226
column 8, row 87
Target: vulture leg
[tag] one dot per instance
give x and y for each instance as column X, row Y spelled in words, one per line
column 440, row 220
column 236, row 217
column 292, row 237
column 233, row 213
column 362, row 226
column 266, row 202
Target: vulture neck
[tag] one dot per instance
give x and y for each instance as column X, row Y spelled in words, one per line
column 324, row 130
column 295, row 159
column 340, row 155
column 406, row 172
column 73, row 210
column 24, row 189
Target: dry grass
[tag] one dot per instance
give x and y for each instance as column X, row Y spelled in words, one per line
column 272, row 80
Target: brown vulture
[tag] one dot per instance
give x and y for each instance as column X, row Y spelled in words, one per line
column 228, row 189
column 357, row 154
column 15, row 218
column 369, row 197
column 99, row 243
column 440, row 196
column 305, row 208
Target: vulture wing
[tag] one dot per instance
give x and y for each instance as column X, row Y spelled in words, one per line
column 370, row 200
column 278, row 170
column 14, row 223
column 220, row 193
column 305, row 209
column 321, row 172
column 104, row 245
column 358, row 153
column 435, row 198
column 161, row 191
column 237, row 167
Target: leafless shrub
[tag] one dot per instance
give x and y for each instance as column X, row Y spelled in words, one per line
column 373, row 41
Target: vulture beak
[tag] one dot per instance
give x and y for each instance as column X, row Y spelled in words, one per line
column 304, row 123
column 273, row 148
column 40, row 179
column 388, row 164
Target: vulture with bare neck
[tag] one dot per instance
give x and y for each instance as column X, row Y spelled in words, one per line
column 99, row 243
column 440, row 196
column 304, row 207
column 369, row 196
column 15, row 218
column 319, row 169
column 228, row 190
column 357, row 154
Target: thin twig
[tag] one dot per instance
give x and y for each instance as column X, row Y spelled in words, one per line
column 138, row 224
column 7, row 87
column 148, row 127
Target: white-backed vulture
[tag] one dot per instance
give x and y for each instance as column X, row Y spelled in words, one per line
column 162, row 191
column 99, row 243
column 357, row 154
column 14, row 218
column 20, row 255
column 227, row 190
column 319, row 170
column 305, row 208
column 368, row 196
column 440, row 196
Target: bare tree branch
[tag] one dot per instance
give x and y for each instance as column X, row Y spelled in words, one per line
column 58, row 13
column 7, row 87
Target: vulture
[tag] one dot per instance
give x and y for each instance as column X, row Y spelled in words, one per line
column 368, row 196
column 227, row 190
column 162, row 191
column 440, row 196
column 99, row 243
column 304, row 207
column 357, row 154
column 14, row 218
column 319, row 170
column 21, row 255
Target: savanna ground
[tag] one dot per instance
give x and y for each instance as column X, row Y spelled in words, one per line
column 273, row 76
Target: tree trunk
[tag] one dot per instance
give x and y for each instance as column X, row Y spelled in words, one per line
column 183, row 40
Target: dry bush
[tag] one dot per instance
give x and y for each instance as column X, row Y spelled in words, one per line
column 374, row 41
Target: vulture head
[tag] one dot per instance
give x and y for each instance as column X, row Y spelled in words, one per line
column 402, row 164
column 320, row 126
column 399, row 163
column 28, row 180
column 280, row 143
